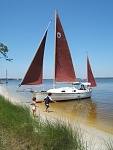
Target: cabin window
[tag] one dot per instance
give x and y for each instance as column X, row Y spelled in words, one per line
column 63, row 91
column 74, row 91
column 43, row 91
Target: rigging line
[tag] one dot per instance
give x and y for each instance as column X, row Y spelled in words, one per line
column 79, row 68
column 49, row 23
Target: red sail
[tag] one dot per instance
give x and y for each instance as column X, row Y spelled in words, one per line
column 35, row 71
column 90, row 76
column 64, row 71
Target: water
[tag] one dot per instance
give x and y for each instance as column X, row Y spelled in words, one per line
column 96, row 112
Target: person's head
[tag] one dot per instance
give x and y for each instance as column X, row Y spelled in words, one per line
column 34, row 98
column 49, row 94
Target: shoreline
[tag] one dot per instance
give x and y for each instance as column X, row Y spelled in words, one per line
column 95, row 137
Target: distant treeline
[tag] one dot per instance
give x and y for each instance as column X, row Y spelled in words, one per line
column 78, row 79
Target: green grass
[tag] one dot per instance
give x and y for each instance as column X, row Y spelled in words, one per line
column 19, row 131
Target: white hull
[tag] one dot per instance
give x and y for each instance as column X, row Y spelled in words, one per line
column 63, row 94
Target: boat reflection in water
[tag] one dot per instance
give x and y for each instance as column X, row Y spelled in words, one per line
column 83, row 110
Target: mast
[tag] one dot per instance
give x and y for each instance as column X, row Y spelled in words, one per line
column 54, row 50
column 64, row 70
column 6, row 77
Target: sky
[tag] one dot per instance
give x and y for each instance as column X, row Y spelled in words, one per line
column 88, row 26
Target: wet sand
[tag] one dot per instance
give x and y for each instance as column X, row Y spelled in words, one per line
column 80, row 113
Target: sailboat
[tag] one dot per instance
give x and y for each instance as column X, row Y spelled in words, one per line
column 63, row 70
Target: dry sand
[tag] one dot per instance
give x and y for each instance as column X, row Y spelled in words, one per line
column 94, row 138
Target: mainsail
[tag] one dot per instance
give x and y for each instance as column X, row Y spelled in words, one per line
column 90, row 76
column 35, row 72
column 64, row 71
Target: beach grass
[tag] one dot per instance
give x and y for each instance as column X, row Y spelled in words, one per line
column 109, row 144
column 20, row 131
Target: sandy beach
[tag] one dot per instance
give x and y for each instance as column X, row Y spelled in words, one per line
column 94, row 137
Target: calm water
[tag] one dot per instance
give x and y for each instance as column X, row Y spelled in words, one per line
column 97, row 111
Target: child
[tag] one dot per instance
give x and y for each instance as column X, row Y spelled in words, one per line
column 33, row 104
column 47, row 99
